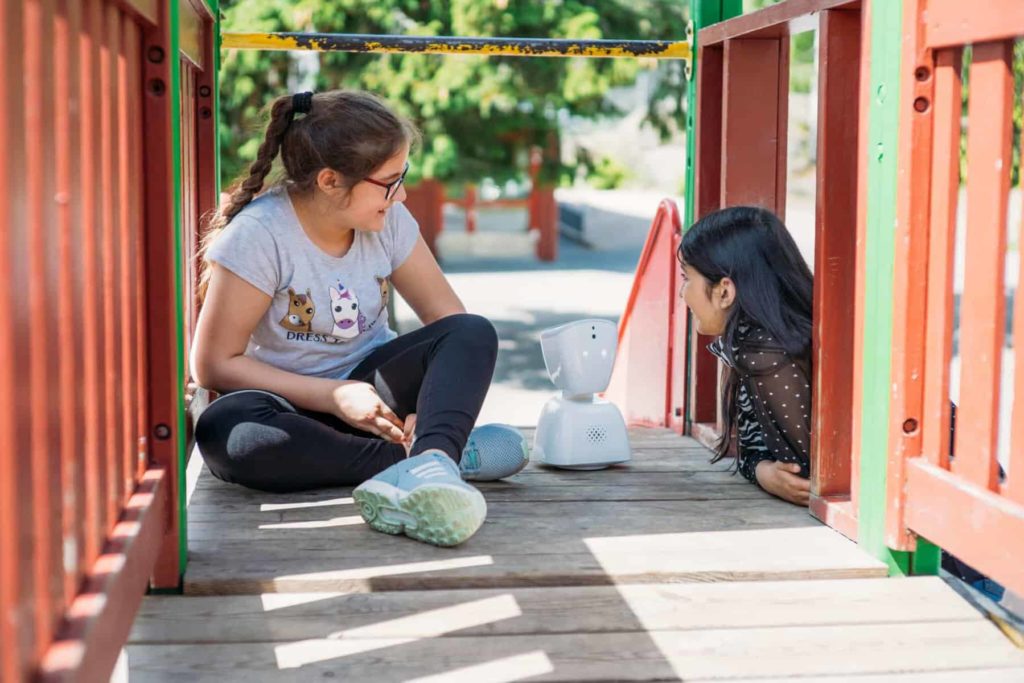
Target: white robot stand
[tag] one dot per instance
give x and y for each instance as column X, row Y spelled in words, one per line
column 578, row 430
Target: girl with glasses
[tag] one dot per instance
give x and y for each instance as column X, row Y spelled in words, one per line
column 317, row 389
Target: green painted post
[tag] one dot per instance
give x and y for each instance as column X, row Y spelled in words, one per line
column 702, row 13
column 883, row 127
column 179, row 305
column 215, row 8
column 927, row 559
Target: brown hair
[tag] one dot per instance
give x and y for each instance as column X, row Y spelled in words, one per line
column 348, row 131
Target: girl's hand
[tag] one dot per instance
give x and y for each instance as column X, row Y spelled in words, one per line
column 783, row 479
column 358, row 404
column 409, row 432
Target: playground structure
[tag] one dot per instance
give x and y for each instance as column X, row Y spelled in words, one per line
column 110, row 162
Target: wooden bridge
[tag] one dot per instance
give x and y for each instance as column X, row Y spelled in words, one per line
column 663, row 569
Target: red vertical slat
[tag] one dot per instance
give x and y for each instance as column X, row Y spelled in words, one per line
column 40, row 298
column 835, row 250
column 163, row 395
column 782, row 126
column 945, row 179
column 911, row 269
column 139, row 415
column 984, row 303
column 111, row 312
column 864, row 100
column 15, row 586
column 92, row 372
column 125, row 291
column 67, row 197
column 707, row 194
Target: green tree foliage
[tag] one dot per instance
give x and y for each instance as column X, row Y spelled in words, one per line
column 479, row 115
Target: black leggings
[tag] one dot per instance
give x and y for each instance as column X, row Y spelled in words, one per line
column 441, row 372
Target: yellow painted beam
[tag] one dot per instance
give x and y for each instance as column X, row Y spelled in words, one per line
column 444, row 45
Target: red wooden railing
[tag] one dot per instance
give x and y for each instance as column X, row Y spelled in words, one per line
column 959, row 504
column 90, row 382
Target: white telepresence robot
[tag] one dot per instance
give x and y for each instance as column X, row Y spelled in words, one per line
column 578, row 430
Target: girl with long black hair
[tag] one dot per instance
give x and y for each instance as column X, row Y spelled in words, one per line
column 748, row 286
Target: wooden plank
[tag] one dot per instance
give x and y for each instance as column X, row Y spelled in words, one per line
column 608, row 609
column 527, row 525
column 672, row 465
column 969, row 521
column 774, row 21
column 945, row 191
column 249, row 510
column 835, row 254
column 949, row 25
column 356, row 559
column 983, row 304
column 664, row 655
column 1010, row 675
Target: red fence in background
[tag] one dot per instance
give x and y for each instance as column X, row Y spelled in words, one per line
column 960, row 503
column 88, row 374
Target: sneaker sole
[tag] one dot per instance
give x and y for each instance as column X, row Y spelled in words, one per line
column 438, row 514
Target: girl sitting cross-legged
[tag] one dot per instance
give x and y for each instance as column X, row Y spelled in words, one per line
column 317, row 389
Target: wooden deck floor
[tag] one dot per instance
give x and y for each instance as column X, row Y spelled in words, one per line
column 666, row 569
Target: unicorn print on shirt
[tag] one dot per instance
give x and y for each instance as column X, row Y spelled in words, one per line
column 348, row 319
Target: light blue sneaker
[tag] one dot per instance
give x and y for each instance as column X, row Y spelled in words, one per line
column 425, row 497
column 494, row 451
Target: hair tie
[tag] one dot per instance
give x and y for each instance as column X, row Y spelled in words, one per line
column 302, row 103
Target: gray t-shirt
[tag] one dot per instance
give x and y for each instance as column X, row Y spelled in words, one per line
column 327, row 314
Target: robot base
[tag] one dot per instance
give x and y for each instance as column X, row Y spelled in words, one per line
column 582, row 433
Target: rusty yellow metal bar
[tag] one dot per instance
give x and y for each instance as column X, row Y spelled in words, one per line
column 447, row 45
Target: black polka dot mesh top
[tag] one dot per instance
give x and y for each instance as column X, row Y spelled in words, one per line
column 772, row 402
